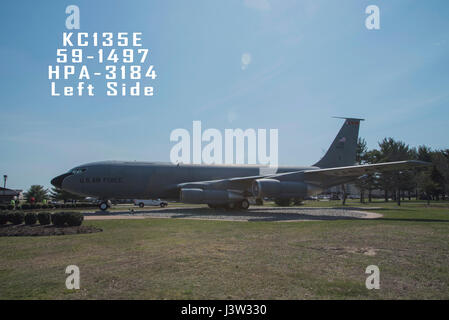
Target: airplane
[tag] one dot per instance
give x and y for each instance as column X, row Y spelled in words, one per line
column 224, row 186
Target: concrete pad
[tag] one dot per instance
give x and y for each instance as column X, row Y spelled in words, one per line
column 255, row 213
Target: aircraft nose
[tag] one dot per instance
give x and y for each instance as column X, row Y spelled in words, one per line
column 57, row 181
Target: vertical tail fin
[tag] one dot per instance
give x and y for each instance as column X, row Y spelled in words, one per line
column 342, row 151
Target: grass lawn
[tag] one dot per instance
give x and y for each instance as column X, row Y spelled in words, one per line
column 194, row 259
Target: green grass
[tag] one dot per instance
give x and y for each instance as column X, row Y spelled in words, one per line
column 194, row 259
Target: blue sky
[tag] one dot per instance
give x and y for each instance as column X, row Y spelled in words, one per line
column 310, row 60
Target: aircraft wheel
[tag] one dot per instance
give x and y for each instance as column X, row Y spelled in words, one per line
column 163, row 205
column 244, row 204
column 141, row 205
column 103, row 206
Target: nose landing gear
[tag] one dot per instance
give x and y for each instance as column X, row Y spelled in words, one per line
column 104, row 205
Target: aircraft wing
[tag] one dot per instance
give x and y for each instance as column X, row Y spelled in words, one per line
column 321, row 177
column 237, row 183
column 334, row 176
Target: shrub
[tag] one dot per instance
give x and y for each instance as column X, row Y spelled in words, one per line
column 3, row 218
column 30, row 218
column 44, row 218
column 16, row 217
column 37, row 206
column 74, row 218
column 25, row 206
column 45, row 206
column 3, row 207
column 58, row 219
column 10, row 207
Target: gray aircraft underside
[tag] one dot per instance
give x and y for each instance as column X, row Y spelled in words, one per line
column 224, row 184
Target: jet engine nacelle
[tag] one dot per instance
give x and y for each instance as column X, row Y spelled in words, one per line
column 196, row 195
column 281, row 189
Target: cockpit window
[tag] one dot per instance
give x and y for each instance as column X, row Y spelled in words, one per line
column 78, row 170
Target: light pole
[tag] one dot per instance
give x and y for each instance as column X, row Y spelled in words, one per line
column 4, row 184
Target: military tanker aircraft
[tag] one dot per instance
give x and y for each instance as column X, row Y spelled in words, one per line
column 224, row 186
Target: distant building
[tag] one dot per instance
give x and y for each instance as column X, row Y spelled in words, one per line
column 352, row 190
column 6, row 195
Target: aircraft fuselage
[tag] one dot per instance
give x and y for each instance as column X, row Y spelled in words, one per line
column 149, row 180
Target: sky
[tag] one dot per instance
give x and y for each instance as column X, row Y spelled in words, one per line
column 288, row 65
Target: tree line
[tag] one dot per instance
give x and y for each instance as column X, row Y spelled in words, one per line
column 38, row 193
column 423, row 183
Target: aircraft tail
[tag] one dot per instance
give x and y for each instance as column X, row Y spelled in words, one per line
column 343, row 149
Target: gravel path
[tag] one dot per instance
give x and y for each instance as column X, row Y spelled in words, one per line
column 255, row 213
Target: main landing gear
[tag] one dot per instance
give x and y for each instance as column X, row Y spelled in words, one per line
column 244, row 204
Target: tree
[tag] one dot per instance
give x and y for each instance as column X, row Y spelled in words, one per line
column 423, row 153
column 440, row 175
column 361, row 157
column 391, row 150
column 39, row 193
column 372, row 180
column 58, row 194
column 426, row 184
column 435, row 182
